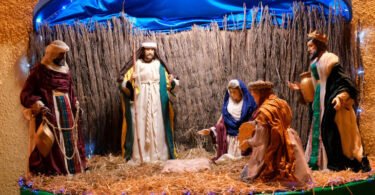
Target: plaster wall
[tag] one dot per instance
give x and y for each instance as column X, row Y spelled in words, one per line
column 363, row 10
column 15, row 23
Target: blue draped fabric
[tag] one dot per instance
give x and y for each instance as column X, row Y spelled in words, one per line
column 170, row 15
column 248, row 107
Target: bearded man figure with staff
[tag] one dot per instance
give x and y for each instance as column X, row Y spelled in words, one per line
column 147, row 87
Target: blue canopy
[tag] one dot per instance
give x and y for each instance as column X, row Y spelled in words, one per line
column 167, row 15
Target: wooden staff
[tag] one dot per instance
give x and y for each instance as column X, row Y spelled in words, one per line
column 135, row 106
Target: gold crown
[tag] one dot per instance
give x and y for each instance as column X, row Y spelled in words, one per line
column 318, row 36
column 259, row 84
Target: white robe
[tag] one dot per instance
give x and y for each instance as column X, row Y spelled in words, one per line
column 149, row 115
column 234, row 152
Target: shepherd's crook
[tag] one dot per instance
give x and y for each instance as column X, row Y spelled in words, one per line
column 135, row 106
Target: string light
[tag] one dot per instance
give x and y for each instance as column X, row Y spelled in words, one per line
column 359, row 110
column 39, row 19
column 362, row 35
column 360, row 71
column 90, row 148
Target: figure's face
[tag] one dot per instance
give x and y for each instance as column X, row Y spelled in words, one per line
column 255, row 95
column 60, row 59
column 235, row 94
column 312, row 49
column 149, row 54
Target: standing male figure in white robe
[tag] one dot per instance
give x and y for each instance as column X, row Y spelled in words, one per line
column 153, row 83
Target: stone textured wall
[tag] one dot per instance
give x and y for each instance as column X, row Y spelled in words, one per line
column 363, row 10
column 15, row 24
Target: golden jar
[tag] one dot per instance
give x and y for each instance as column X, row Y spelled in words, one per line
column 307, row 87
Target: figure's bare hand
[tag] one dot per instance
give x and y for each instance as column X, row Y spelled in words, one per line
column 294, row 86
column 133, row 77
column 37, row 107
column 45, row 110
column 337, row 102
column 204, row 132
column 170, row 77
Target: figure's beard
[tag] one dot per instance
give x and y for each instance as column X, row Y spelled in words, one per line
column 149, row 57
column 59, row 62
column 314, row 55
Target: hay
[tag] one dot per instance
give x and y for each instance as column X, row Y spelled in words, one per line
column 111, row 175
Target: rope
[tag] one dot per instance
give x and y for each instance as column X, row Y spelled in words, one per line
column 148, row 119
column 75, row 136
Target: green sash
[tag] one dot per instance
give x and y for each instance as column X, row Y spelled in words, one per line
column 165, row 109
column 315, row 143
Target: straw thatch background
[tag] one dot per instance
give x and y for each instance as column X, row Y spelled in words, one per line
column 204, row 59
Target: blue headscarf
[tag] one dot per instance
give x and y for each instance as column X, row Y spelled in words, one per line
column 248, row 107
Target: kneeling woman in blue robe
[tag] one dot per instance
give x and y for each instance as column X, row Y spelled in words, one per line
column 238, row 108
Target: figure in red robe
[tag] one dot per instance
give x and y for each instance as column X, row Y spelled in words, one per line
column 48, row 92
